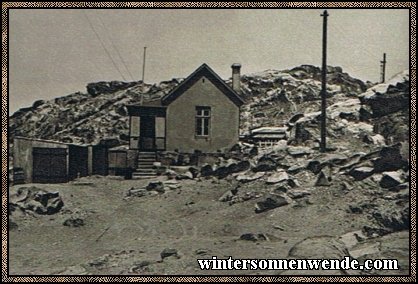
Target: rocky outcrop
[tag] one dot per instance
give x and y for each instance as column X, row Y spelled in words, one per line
column 98, row 88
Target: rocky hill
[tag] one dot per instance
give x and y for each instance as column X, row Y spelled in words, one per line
column 272, row 97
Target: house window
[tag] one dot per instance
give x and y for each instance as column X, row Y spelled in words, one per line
column 202, row 121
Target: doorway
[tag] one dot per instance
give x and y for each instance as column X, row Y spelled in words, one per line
column 147, row 133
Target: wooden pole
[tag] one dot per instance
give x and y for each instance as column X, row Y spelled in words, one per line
column 324, row 83
column 383, row 67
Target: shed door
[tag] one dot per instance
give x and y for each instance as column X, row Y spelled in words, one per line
column 49, row 165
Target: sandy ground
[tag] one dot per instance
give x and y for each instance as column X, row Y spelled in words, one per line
column 126, row 236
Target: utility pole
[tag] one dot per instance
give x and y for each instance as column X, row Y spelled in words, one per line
column 143, row 65
column 383, row 65
column 323, row 145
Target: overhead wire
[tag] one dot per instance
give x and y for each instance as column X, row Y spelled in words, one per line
column 104, row 47
column 115, row 47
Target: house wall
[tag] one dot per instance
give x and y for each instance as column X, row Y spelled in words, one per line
column 23, row 157
column 181, row 119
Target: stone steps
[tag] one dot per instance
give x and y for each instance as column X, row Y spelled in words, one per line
column 145, row 167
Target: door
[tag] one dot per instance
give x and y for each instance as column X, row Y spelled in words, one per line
column 49, row 165
column 147, row 133
column 77, row 161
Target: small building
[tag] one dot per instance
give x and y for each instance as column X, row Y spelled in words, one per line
column 46, row 161
column 201, row 113
column 266, row 136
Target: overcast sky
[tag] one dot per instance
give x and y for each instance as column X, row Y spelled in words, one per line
column 55, row 52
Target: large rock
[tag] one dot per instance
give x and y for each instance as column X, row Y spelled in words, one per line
column 393, row 99
column 227, row 168
column 322, row 180
column 390, row 179
column 240, row 166
column 206, row 170
column 265, row 164
column 299, row 151
column 248, row 177
column 37, row 200
column 167, row 252
column 361, row 172
column 253, row 237
column 390, row 159
column 270, row 202
column 186, row 175
column 393, row 218
column 298, row 193
column 277, row 177
column 195, row 171
column 157, row 186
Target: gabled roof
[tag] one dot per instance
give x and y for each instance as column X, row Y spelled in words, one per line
column 203, row 70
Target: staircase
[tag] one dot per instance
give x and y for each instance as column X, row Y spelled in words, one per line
column 145, row 166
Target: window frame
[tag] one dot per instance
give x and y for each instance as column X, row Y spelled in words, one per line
column 202, row 117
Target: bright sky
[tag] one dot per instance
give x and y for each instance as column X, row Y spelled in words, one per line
column 55, row 52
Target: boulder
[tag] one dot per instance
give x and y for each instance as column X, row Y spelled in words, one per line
column 296, row 168
column 206, row 170
column 167, row 252
column 170, row 173
column 241, row 166
column 298, row 193
column 195, row 171
column 248, row 177
column 270, row 202
column 390, row 159
column 361, row 172
column 393, row 219
column 157, row 186
column 322, row 180
column 37, row 200
column 137, row 192
column 253, row 237
column 186, row 175
column 227, row 196
column 314, row 166
column 390, row 179
column 265, row 164
column 277, row 177
column 298, row 151
column 395, row 98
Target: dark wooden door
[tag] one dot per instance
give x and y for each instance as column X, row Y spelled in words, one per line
column 49, row 165
column 77, row 161
column 147, row 133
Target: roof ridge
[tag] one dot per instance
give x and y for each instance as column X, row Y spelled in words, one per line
column 172, row 95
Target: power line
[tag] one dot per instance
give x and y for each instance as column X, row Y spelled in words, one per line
column 103, row 45
column 117, row 50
